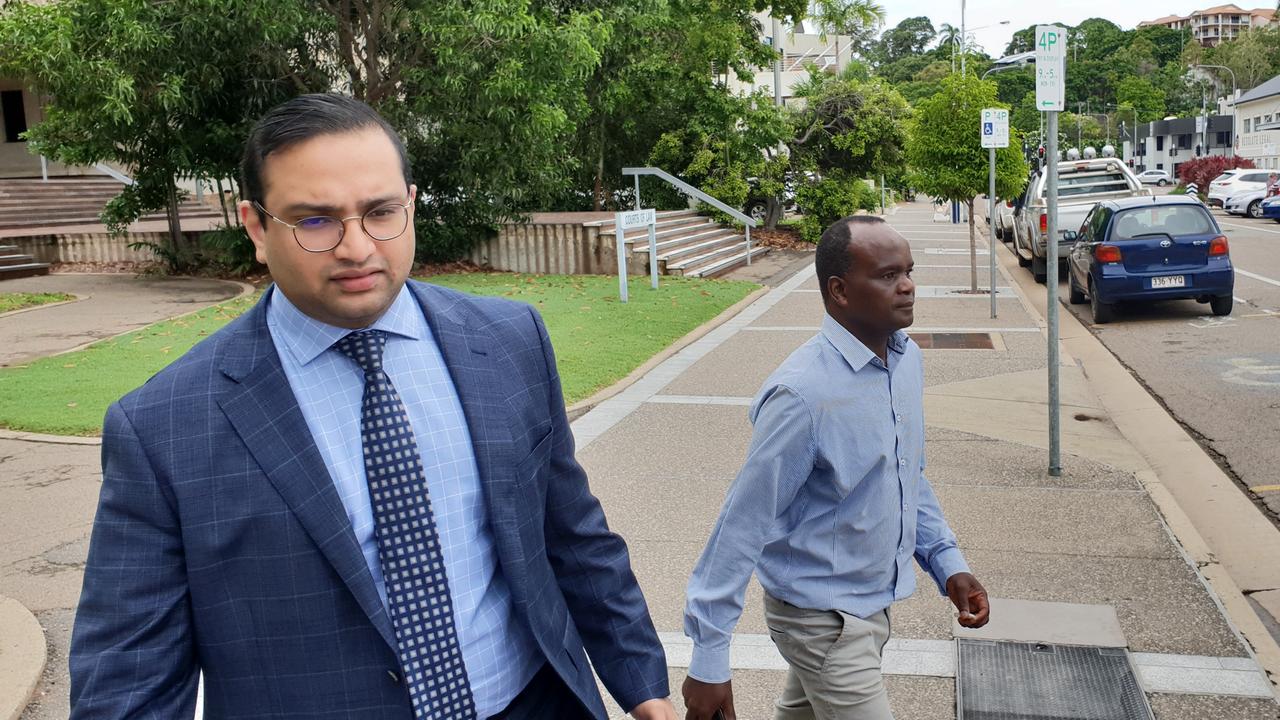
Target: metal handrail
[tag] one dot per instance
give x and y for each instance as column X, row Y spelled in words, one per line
column 112, row 172
column 694, row 193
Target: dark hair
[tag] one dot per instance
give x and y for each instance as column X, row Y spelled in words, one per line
column 833, row 258
column 300, row 119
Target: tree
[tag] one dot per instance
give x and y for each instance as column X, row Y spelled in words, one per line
column 945, row 157
column 1254, row 56
column 162, row 90
column 1095, row 39
column 854, row 126
column 858, row 19
column 1136, row 92
column 908, row 38
column 1202, row 170
column 1023, row 40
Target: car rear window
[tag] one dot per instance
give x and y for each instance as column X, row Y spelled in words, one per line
column 1091, row 183
column 1224, row 176
column 1171, row 220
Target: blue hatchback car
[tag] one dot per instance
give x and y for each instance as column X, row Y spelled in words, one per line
column 1166, row 247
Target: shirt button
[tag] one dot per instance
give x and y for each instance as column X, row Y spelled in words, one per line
column 902, row 462
column 394, row 677
column 898, row 417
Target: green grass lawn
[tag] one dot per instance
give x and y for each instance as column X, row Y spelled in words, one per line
column 11, row 301
column 597, row 339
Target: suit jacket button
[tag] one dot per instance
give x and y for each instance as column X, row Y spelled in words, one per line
column 394, row 677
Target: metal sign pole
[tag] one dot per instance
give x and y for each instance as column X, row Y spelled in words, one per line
column 991, row 224
column 619, row 233
column 1051, row 55
column 653, row 254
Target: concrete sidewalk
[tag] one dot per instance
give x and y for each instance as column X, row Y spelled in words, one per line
column 1105, row 535
column 105, row 306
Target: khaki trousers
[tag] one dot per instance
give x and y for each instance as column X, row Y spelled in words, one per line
column 834, row 661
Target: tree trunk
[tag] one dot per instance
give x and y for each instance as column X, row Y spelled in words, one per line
column 598, row 192
column 175, row 223
column 973, row 251
column 222, row 203
column 772, row 213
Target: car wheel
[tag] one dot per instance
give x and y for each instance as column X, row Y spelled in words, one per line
column 1103, row 313
column 1255, row 209
column 1162, row 183
column 757, row 210
column 1221, row 305
column 1076, row 295
column 1039, row 270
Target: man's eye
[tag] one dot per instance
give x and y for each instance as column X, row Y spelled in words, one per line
column 314, row 223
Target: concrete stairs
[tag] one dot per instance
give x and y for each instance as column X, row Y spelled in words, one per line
column 689, row 245
column 13, row 264
column 37, row 205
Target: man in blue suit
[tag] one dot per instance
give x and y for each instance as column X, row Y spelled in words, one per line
column 359, row 499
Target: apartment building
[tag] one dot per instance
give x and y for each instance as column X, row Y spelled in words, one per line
column 1217, row 24
column 1258, row 124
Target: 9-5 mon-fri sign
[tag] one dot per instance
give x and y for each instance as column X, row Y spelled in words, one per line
column 1051, row 67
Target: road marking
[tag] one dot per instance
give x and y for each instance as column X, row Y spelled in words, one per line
column 1257, row 277
column 1250, row 227
column 1205, row 323
column 1246, row 371
column 1264, row 488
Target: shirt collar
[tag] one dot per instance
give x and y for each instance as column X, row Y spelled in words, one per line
column 851, row 348
column 305, row 337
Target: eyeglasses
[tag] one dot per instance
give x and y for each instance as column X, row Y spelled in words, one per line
column 322, row 233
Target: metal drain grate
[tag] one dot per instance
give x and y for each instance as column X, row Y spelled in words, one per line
column 953, row 341
column 1037, row 681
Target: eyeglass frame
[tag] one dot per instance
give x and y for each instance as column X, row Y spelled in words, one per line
column 342, row 224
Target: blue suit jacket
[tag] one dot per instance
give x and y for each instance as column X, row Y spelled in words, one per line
column 220, row 544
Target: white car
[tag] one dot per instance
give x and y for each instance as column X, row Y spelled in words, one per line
column 1248, row 203
column 1154, row 177
column 1235, row 181
column 1004, row 220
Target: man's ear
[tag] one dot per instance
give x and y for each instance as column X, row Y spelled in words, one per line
column 253, row 225
column 836, row 290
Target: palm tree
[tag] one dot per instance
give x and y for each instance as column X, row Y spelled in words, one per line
column 859, row 19
column 949, row 34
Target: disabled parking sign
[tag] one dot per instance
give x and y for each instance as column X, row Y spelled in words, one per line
column 995, row 128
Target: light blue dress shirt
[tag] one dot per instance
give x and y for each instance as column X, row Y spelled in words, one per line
column 831, row 503
column 499, row 652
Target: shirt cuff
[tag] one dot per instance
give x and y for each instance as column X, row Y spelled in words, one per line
column 710, row 665
column 944, row 565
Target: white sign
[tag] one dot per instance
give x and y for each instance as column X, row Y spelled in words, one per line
column 995, row 128
column 638, row 218
column 1200, row 124
column 1051, row 67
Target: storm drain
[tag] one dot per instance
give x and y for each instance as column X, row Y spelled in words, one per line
column 1038, row 681
column 953, row 341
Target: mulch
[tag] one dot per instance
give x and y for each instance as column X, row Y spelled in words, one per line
column 783, row 238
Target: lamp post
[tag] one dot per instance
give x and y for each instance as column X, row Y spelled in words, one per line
column 1233, row 104
column 962, row 41
column 1006, row 63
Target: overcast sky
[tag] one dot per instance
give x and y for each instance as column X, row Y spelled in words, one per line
column 1021, row 13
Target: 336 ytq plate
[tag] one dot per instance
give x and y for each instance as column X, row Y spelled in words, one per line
column 1168, row 281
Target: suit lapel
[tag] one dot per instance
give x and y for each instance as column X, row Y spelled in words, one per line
column 264, row 412
column 471, row 354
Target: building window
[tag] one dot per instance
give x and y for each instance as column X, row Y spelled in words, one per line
column 1222, row 138
column 15, row 115
column 1159, row 166
column 1159, row 143
column 1246, row 124
column 1269, row 118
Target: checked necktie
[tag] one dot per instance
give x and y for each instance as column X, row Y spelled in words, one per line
column 408, row 543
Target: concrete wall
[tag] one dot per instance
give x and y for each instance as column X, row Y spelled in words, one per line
column 95, row 247
column 561, row 248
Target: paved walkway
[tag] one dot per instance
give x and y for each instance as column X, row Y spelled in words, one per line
column 1107, row 535
column 106, row 305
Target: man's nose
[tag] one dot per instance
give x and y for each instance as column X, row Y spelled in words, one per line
column 356, row 245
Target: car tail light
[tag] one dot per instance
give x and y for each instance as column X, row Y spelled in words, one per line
column 1107, row 254
column 1218, row 246
column 1044, row 224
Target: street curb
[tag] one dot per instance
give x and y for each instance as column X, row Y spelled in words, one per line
column 21, row 436
column 1108, row 379
column 22, row 657
column 74, row 299
column 582, row 407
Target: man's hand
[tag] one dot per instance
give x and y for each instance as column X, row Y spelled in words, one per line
column 970, row 598
column 702, row 700
column 655, row 709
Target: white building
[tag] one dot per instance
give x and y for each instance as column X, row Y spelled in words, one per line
column 800, row 50
column 1258, row 124
column 1166, row 144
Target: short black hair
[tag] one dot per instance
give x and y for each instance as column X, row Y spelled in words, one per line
column 300, row 119
column 833, row 259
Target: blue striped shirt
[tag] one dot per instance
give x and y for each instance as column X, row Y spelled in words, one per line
column 831, row 503
column 499, row 652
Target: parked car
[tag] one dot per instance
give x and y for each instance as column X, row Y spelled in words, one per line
column 1149, row 248
column 1271, row 208
column 1081, row 184
column 1248, row 203
column 1235, row 181
column 1154, row 177
column 1004, row 220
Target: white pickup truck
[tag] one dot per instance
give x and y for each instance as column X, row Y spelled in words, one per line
column 1081, row 184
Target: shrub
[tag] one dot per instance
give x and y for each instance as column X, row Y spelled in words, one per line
column 829, row 199
column 1202, row 170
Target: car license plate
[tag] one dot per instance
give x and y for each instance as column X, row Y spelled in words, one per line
column 1168, row 281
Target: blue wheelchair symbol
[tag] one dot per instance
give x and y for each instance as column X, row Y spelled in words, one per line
column 988, row 129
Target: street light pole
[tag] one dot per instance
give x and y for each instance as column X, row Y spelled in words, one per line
column 963, row 38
